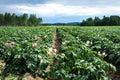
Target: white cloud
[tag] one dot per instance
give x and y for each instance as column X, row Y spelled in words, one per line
column 86, row 2
column 56, row 9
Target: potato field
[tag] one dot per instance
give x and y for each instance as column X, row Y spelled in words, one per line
column 59, row 53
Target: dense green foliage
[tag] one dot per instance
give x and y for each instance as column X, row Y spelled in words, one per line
column 8, row 19
column 105, row 21
column 24, row 50
column 103, row 40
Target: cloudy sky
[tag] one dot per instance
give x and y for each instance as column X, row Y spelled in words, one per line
column 53, row 11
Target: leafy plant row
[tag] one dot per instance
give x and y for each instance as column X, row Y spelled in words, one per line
column 77, row 61
column 101, row 40
column 24, row 50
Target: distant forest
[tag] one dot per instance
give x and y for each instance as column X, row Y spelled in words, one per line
column 8, row 19
column 105, row 21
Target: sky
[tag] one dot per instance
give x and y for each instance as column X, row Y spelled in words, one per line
column 54, row 11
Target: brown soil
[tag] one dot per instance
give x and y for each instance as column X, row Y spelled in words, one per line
column 2, row 64
column 56, row 42
column 114, row 75
column 30, row 77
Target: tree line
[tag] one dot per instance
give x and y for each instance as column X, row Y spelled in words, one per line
column 105, row 21
column 8, row 19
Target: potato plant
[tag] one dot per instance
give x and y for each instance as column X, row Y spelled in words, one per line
column 85, row 53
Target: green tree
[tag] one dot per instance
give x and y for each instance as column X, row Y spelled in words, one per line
column 97, row 21
column 38, row 21
column 83, row 23
column 105, row 21
column 114, row 20
column 14, row 21
column 90, row 22
column 24, row 19
column 1, row 19
column 7, row 19
column 34, row 21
